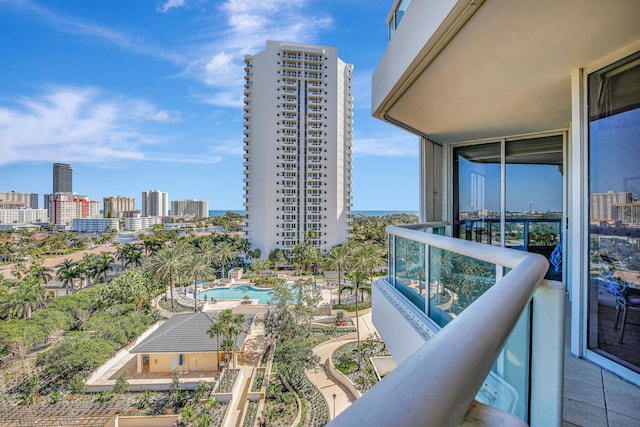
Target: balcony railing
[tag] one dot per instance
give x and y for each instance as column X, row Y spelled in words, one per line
column 465, row 321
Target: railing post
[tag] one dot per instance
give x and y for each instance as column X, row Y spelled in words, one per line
column 547, row 354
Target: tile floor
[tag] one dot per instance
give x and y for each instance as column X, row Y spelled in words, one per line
column 594, row 397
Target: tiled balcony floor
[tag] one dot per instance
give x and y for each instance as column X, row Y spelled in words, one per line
column 594, row 397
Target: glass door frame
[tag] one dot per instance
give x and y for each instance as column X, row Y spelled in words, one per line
column 450, row 170
column 578, row 273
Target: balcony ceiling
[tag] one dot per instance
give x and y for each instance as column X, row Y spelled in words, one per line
column 508, row 70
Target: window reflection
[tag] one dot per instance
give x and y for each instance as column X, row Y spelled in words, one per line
column 477, row 186
column 534, row 198
column 614, row 212
column 533, row 191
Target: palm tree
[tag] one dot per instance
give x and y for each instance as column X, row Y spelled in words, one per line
column 19, row 269
column 232, row 332
column 338, row 259
column 197, row 266
column 207, row 249
column 27, row 298
column 152, row 243
column 40, row 272
column 217, row 328
column 67, row 271
column 89, row 266
column 358, row 284
column 224, row 253
column 103, row 264
column 239, row 320
column 134, row 256
column 366, row 257
column 228, row 345
column 277, row 258
column 122, row 252
column 226, row 318
column 165, row 265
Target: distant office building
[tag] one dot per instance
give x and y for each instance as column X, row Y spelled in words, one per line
column 190, row 208
column 602, row 205
column 23, row 215
column 141, row 223
column 62, row 178
column 132, row 214
column 627, row 213
column 116, row 206
column 65, row 207
column 297, row 132
column 95, row 225
column 155, row 203
column 27, row 200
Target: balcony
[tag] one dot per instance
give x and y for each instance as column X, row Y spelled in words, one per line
column 466, row 322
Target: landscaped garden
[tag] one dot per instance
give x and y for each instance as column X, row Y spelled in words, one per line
column 281, row 407
column 356, row 365
column 47, row 348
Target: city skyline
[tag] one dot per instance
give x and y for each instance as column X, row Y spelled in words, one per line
column 139, row 96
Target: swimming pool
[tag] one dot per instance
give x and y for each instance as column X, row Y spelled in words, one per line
column 238, row 292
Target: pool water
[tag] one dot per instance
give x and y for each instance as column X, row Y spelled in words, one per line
column 238, row 292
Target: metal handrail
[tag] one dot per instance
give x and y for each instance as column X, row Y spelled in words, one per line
column 437, row 384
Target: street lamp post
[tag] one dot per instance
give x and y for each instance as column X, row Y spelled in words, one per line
column 334, row 405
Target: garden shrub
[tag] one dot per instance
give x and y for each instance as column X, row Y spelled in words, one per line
column 352, row 307
column 78, row 353
column 19, row 333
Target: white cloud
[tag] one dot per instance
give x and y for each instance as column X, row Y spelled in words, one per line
column 197, row 159
column 232, row 147
column 74, row 25
column 77, row 124
column 220, row 70
column 229, row 98
column 170, row 4
column 249, row 23
column 393, row 146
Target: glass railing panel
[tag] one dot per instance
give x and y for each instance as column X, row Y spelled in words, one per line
column 409, row 270
column 481, row 230
column 507, row 385
column 514, row 234
column 455, row 282
column 441, row 231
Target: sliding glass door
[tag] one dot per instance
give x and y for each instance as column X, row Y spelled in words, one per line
column 510, row 193
column 614, row 212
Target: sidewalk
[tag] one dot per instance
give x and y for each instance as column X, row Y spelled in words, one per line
column 325, row 382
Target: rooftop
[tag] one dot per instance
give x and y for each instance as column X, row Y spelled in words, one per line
column 183, row 333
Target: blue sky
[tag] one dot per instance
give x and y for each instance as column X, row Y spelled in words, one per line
column 140, row 95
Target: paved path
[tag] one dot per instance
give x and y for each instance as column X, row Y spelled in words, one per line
column 325, row 382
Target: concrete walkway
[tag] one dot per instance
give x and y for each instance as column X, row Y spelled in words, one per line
column 325, row 382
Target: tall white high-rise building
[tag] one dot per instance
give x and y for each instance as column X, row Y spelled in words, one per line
column 155, row 203
column 298, row 113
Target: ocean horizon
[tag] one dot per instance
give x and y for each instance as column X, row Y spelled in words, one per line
column 216, row 212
